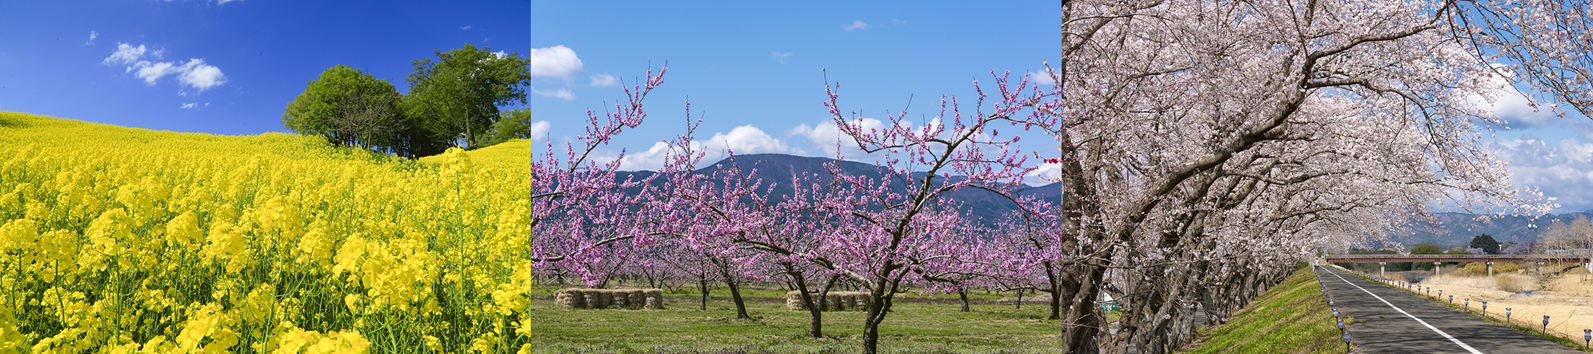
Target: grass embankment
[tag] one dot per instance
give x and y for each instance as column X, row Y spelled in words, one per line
column 915, row 325
column 1291, row 318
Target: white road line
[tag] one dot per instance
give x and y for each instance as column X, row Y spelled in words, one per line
column 1407, row 314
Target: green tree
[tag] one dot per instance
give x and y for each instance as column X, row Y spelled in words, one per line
column 1486, row 243
column 348, row 107
column 1425, row 249
column 515, row 124
column 458, row 94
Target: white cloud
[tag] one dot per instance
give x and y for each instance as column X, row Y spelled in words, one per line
column 1043, row 175
column 500, row 54
column 1563, row 170
column 195, row 73
column 828, row 137
column 741, row 140
column 198, row 75
column 652, row 159
column 151, row 71
column 124, row 54
column 1041, row 79
column 190, row 105
column 223, row 2
column 856, row 25
column 744, row 139
column 563, row 94
column 539, row 130
column 465, row 27
column 780, row 56
column 92, row 36
column 898, row 22
column 555, row 61
column 604, row 80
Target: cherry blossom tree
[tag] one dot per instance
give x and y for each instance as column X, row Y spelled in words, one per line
column 578, row 209
column 901, row 224
column 1162, row 108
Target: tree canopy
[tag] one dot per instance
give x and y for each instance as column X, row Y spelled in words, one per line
column 1486, row 243
column 349, row 107
column 515, row 124
column 459, row 93
column 1426, row 249
column 452, row 101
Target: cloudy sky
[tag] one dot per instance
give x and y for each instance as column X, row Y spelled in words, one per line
column 754, row 72
column 223, row 67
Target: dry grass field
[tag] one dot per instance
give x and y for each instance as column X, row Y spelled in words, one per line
column 1565, row 294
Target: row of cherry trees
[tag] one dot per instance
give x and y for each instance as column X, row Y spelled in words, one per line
column 1204, row 147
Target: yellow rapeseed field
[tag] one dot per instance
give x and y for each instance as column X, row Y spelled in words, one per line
column 125, row 240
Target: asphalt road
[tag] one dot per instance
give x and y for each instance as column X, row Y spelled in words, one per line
column 1392, row 321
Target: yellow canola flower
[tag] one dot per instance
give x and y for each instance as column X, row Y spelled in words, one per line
column 201, row 227
column 300, row 341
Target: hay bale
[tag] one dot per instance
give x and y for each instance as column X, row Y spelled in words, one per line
column 622, row 298
column 594, row 300
column 635, row 299
column 654, row 299
column 570, row 298
column 793, row 301
column 610, row 298
column 836, row 300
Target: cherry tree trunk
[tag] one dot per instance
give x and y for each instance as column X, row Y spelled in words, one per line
column 1081, row 322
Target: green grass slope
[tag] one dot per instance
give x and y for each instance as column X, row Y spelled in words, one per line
column 1291, row 318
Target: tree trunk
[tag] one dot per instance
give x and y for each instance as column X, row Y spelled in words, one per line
column 1056, row 293
column 1081, row 321
column 702, row 283
column 816, row 316
column 735, row 294
column 824, row 292
column 878, row 306
column 1019, row 304
column 964, row 294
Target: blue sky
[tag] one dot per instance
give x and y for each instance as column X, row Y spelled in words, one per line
column 751, row 69
column 254, row 56
column 755, row 70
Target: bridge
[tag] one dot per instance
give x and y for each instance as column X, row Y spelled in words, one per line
column 1380, row 258
column 1437, row 259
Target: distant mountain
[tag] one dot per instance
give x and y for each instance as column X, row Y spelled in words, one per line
column 1459, row 228
column 780, row 169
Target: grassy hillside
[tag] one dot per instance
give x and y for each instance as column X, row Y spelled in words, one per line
column 1293, row 317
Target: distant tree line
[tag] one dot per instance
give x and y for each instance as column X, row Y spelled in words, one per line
column 452, row 101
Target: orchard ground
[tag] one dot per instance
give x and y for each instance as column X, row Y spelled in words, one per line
column 1291, row 318
column 918, row 324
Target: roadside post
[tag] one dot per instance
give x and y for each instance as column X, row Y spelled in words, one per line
column 1507, row 315
column 1545, row 324
column 1346, row 341
column 1468, row 305
column 1587, row 335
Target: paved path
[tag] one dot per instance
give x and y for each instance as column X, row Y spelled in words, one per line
column 1393, row 321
